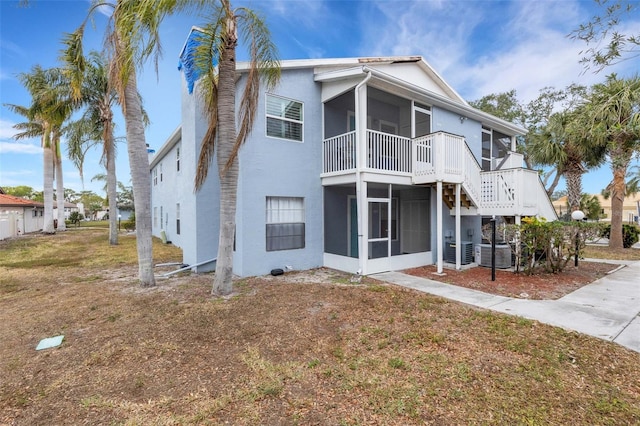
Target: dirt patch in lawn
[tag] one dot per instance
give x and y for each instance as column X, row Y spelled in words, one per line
column 540, row 286
column 312, row 348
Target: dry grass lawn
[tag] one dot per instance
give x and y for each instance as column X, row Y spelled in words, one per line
column 279, row 352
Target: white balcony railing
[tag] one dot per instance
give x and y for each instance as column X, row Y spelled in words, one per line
column 433, row 157
column 446, row 157
column 514, row 191
column 388, row 152
column 497, row 189
column 339, row 153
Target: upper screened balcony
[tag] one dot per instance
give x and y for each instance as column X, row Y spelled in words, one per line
column 399, row 142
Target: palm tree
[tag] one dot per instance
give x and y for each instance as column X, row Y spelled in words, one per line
column 36, row 127
column 611, row 119
column 96, row 123
column 132, row 36
column 556, row 145
column 50, row 108
column 590, row 205
column 217, row 45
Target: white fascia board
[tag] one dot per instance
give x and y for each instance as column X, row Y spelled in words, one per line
column 334, row 62
column 328, row 76
column 175, row 137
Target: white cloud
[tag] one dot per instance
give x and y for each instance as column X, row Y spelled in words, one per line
column 19, row 148
column 307, row 14
column 6, row 129
column 11, row 49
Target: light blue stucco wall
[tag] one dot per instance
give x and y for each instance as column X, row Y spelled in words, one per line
column 268, row 167
column 447, row 121
column 276, row 167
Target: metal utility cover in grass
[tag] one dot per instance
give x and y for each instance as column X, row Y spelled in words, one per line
column 49, row 342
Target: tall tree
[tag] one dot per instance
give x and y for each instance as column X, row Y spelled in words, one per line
column 569, row 152
column 50, row 107
column 608, row 45
column 217, row 45
column 132, row 37
column 22, row 191
column 99, row 98
column 610, row 118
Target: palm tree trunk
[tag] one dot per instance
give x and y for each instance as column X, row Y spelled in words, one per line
column 47, row 227
column 222, row 283
column 139, row 164
column 574, row 188
column 112, row 193
column 617, row 201
column 619, row 162
column 62, row 226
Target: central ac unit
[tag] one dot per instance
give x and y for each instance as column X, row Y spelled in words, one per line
column 466, row 252
column 503, row 255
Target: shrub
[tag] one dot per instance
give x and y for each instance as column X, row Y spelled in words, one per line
column 630, row 234
column 537, row 243
column 75, row 218
column 130, row 224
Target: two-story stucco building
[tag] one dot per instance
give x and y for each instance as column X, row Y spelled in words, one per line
column 363, row 165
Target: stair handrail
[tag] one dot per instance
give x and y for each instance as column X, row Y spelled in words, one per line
column 472, row 171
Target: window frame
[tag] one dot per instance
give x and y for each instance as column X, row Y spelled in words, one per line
column 270, row 212
column 178, row 157
column 283, row 119
column 177, row 218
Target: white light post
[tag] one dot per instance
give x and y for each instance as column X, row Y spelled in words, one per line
column 577, row 215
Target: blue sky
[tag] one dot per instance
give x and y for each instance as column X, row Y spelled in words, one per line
column 479, row 47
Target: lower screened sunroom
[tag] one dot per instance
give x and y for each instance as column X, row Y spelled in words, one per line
column 393, row 233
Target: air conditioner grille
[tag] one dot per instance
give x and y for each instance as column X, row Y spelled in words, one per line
column 503, row 255
column 466, row 252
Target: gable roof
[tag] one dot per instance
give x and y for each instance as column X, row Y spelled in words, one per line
column 12, row 201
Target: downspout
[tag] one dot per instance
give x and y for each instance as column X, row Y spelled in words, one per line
column 361, row 155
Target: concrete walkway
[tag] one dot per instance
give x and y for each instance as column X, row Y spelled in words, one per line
column 608, row 308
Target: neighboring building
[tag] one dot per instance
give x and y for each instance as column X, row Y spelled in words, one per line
column 68, row 209
column 362, row 165
column 19, row 216
column 630, row 208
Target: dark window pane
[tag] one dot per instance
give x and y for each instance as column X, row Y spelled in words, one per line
column 285, row 236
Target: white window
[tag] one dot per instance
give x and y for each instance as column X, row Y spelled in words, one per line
column 178, row 158
column 155, row 217
column 155, row 176
column 285, row 223
column 178, row 219
column 161, row 212
column 160, row 172
column 284, row 118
